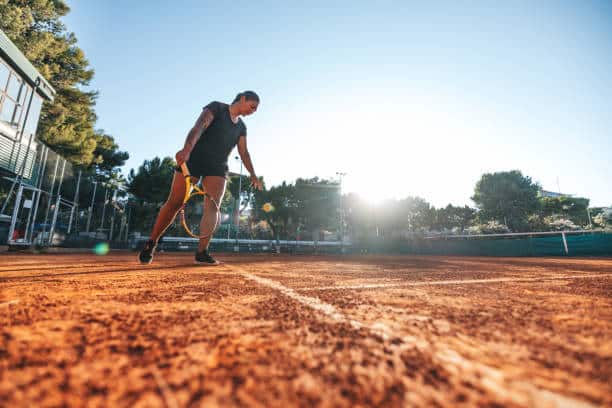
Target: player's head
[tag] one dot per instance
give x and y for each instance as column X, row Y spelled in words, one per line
column 247, row 102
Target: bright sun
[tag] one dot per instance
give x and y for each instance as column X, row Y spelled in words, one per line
column 375, row 190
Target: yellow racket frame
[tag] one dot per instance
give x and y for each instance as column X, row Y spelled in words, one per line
column 191, row 190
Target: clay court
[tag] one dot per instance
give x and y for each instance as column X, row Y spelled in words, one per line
column 276, row 330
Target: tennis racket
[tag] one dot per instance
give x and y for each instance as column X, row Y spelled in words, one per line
column 196, row 222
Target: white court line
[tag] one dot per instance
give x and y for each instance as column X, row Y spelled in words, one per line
column 455, row 282
column 492, row 379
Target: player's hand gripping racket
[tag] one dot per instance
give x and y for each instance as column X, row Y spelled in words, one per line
column 197, row 222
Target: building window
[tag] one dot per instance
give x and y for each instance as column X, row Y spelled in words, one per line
column 26, row 92
column 4, row 75
column 33, row 116
column 14, row 100
column 14, row 87
column 8, row 109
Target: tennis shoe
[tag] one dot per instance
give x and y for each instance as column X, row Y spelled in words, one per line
column 205, row 258
column 146, row 255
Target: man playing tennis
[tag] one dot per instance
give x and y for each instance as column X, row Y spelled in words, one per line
column 207, row 147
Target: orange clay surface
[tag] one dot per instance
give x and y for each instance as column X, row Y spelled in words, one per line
column 276, row 330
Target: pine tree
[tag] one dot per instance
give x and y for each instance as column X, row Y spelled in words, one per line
column 67, row 124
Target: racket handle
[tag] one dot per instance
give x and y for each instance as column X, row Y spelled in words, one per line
column 185, row 170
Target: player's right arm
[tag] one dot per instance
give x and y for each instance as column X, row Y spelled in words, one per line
column 204, row 120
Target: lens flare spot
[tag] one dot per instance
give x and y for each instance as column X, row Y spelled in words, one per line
column 101, row 248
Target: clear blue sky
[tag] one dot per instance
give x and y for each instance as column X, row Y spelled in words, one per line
column 408, row 99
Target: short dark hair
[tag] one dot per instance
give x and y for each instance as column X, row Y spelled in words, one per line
column 249, row 95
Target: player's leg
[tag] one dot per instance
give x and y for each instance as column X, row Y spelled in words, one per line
column 173, row 204
column 165, row 216
column 215, row 187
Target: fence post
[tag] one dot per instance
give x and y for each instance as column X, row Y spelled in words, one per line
column 43, row 164
column 101, row 229
column 127, row 222
column 75, row 204
column 58, row 202
column 564, row 243
column 93, row 196
column 15, row 213
column 54, row 220
column 121, row 226
column 44, row 227
column 112, row 223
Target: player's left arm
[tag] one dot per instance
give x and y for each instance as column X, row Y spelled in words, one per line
column 243, row 151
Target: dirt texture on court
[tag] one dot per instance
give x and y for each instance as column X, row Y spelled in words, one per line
column 276, row 330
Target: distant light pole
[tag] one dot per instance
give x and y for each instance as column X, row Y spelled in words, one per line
column 238, row 205
column 340, row 174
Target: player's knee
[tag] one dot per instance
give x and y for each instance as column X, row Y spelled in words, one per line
column 210, row 206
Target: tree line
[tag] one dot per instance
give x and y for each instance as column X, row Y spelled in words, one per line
column 312, row 209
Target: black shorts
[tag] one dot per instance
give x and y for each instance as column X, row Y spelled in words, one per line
column 198, row 169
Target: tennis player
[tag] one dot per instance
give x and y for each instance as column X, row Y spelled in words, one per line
column 207, row 148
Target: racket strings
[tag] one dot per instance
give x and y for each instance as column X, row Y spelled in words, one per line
column 200, row 212
column 200, row 215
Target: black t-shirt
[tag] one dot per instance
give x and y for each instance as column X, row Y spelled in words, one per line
column 221, row 136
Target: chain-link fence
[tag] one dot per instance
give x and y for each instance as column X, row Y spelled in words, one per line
column 56, row 203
